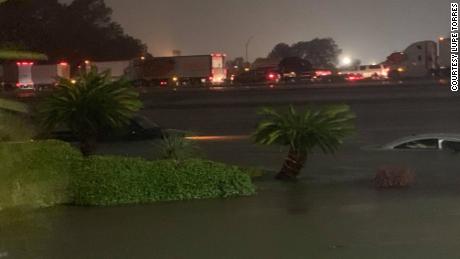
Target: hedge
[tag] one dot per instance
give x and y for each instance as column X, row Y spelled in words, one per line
column 36, row 173
column 107, row 181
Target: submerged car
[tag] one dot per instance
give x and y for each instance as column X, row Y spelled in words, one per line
column 440, row 141
column 139, row 128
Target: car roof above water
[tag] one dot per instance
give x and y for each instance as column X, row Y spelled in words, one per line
column 444, row 136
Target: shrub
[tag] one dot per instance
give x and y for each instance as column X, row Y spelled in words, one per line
column 394, row 177
column 116, row 180
column 36, row 173
column 177, row 147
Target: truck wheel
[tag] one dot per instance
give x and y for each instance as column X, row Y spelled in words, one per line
column 394, row 75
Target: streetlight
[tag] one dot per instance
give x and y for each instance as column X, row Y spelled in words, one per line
column 247, row 47
column 346, row 61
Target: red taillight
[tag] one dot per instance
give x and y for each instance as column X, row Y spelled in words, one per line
column 21, row 85
column 24, row 63
column 271, row 76
column 64, row 64
column 323, row 73
column 355, row 77
column 163, row 83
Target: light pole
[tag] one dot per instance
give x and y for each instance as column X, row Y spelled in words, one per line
column 247, row 47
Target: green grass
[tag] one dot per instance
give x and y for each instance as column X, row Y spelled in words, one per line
column 36, row 173
column 15, row 128
column 13, row 106
column 116, row 180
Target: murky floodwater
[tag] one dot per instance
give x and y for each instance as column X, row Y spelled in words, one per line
column 333, row 212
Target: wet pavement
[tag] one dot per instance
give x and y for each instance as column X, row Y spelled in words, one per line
column 332, row 212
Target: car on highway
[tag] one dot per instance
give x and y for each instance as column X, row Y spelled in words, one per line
column 330, row 79
column 441, row 141
column 353, row 77
column 258, row 76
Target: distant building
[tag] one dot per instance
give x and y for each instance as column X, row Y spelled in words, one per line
column 176, row 53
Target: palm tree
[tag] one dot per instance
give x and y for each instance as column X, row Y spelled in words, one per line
column 302, row 132
column 90, row 105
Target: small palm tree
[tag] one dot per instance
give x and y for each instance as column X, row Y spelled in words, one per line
column 177, row 147
column 302, row 132
column 89, row 106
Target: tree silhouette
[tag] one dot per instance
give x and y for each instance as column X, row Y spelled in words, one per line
column 80, row 30
column 321, row 53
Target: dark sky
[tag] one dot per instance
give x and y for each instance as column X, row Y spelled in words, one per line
column 365, row 29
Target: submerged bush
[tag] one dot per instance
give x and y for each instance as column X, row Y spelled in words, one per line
column 36, row 173
column 117, row 180
column 394, row 177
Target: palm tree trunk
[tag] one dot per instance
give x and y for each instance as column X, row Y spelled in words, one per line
column 292, row 166
column 87, row 146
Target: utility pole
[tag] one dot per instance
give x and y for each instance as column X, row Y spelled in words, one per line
column 247, row 48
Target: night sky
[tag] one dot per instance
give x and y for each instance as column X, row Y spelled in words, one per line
column 365, row 29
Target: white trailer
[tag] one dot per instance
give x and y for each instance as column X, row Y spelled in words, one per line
column 418, row 60
column 116, row 69
column 48, row 75
column 180, row 70
column 16, row 75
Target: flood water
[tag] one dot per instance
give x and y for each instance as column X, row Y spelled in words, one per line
column 332, row 212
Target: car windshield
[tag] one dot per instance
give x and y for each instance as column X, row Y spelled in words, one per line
column 451, row 145
column 145, row 123
column 419, row 144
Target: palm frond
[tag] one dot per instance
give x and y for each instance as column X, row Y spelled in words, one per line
column 314, row 128
column 92, row 104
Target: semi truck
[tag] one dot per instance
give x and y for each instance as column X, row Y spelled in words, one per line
column 179, row 70
column 16, row 75
column 46, row 75
column 27, row 75
column 419, row 60
column 116, row 69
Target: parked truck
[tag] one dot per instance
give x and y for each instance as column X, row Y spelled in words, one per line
column 179, row 70
column 16, row 75
column 116, row 69
column 27, row 75
column 444, row 62
column 419, row 60
column 47, row 75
